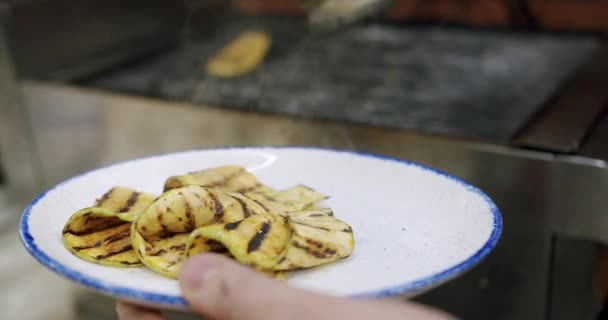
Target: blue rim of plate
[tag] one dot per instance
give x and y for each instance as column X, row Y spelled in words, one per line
column 177, row 301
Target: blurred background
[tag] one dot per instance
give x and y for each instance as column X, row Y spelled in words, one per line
column 510, row 95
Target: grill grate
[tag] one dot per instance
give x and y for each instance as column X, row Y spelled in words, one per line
column 479, row 84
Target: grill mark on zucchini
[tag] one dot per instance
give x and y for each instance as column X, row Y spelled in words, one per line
column 107, row 240
column 110, row 254
column 246, row 212
column 159, row 217
column 96, row 228
column 157, row 253
column 256, row 241
column 316, row 215
column 316, row 227
column 175, row 247
column 165, row 235
column 227, row 178
column 232, row 225
column 216, row 246
column 261, row 205
column 104, row 197
column 218, row 208
column 118, row 236
column 314, row 242
column 248, row 189
column 178, row 247
column 329, row 252
column 97, row 244
column 309, row 251
column 191, row 224
column 130, row 202
column 88, row 217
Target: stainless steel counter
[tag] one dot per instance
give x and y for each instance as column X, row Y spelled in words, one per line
column 16, row 146
column 541, row 195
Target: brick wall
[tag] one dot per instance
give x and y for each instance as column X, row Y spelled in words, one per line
column 564, row 15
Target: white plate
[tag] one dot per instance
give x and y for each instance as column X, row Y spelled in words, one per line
column 414, row 227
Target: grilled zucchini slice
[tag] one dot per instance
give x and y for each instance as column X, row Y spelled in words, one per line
column 258, row 240
column 278, row 243
column 100, row 234
column 241, row 56
column 230, row 178
column 236, row 179
column 159, row 233
column 317, row 238
column 294, row 199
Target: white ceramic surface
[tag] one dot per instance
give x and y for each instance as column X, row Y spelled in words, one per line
column 414, row 227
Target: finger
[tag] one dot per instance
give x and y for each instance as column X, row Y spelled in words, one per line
column 127, row 311
column 371, row 309
column 220, row 288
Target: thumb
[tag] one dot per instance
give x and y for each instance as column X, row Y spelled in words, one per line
column 220, row 288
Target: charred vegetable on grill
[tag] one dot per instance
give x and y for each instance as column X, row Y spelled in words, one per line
column 240, row 56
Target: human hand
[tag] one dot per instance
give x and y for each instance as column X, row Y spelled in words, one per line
column 219, row 288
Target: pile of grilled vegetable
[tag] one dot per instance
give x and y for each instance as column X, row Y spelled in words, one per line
column 224, row 210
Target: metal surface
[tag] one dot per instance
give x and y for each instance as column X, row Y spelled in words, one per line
column 81, row 37
column 475, row 84
column 340, row 13
column 572, row 272
column 596, row 145
column 579, row 213
column 570, row 115
column 4, row 8
column 17, row 150
column 540, row 195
